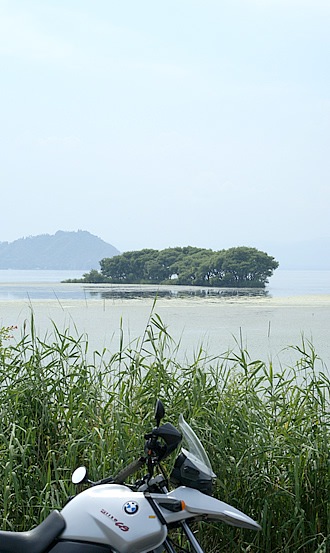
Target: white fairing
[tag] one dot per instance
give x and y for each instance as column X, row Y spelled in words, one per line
column 198, row 504
column 115, row 516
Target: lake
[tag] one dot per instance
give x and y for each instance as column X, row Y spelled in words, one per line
column 41, row 284
column 295, row 303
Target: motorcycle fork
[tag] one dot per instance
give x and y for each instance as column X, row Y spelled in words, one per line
column 187, row 530
column 191, row 538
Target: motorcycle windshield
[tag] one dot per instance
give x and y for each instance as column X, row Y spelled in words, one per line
column 195, row 452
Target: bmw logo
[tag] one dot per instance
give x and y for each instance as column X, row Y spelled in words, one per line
column 131, row 507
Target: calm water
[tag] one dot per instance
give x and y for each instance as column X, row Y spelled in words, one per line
column 295, row 303
column 18, row 285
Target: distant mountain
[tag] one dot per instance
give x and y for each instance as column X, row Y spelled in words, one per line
column 63, row 250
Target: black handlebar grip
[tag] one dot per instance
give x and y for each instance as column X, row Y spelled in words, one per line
column 130, row 469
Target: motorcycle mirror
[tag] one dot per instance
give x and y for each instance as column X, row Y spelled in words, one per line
column 159, row 411
column 79, row 476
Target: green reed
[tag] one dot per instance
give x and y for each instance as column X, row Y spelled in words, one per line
column 266, row 430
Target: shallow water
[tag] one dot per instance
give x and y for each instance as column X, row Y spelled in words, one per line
column 265, row 323
column 264, row 326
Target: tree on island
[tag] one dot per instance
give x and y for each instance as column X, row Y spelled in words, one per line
column 236, row 267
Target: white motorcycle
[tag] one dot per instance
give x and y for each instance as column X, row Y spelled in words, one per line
column 111, row 516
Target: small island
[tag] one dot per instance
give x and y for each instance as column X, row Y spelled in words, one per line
column 239, row 267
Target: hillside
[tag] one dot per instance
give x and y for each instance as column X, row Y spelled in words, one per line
column 63, row 250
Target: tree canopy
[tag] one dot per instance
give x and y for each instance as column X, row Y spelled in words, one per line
column 235, row 267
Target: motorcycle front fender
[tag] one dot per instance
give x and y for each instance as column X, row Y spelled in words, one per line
column 198, row 504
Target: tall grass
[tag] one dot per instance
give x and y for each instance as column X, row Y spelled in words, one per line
column 267, row 432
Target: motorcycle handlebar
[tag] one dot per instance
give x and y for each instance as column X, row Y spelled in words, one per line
column 129, row 470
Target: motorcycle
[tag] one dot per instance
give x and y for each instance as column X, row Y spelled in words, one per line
column 113, row 516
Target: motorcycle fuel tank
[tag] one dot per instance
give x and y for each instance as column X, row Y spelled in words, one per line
column 113, row 515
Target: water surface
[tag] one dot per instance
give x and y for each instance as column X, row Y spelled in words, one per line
column 266, row 322
column 19, row 285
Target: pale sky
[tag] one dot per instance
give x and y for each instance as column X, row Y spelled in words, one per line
column 156, row 124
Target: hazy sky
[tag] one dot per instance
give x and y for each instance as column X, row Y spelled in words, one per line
column 166, row 123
